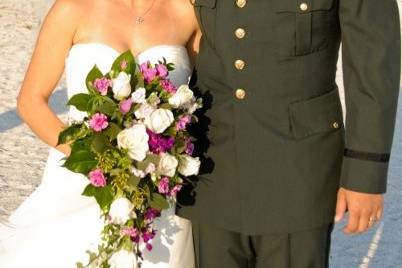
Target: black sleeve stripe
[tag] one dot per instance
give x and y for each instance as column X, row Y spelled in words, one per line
column 367, row 156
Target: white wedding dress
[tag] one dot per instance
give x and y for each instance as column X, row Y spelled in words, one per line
column 55, row 226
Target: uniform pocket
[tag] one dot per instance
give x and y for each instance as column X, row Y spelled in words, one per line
column 206, row 13
column 317, row 115
column 302, row 26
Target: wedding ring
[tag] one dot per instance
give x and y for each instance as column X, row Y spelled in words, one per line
column 373, row 220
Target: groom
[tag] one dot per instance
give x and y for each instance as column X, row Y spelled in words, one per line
column 284, row 164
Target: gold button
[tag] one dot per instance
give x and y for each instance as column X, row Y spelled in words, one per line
column 240, row 64
column 335, row 125
column 303, row 6
column 240, row 33
column 240, row 93
column 241, row 3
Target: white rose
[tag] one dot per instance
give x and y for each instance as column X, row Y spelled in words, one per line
column 135, row 139
column 123, row 259
column 189, row 165
column 144, row 110
column 192, row 107
column 121, row 210
column 138, row 96
column 183, row 96
column 167, row 165
column 137, row 172
column 159, row 120
column 121, row 86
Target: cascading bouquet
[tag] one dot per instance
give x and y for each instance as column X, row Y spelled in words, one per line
column 134, row 147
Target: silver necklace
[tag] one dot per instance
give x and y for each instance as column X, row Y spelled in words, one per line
column 141, row 18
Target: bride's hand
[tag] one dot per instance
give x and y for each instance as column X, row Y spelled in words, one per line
column 364, row 210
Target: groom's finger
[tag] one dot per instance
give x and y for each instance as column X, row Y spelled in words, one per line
column 353, row 223
column 341, row 207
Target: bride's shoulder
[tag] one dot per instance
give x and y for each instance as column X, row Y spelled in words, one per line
column 71, row 8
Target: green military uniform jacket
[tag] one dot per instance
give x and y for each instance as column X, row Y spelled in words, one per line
column 278, row 149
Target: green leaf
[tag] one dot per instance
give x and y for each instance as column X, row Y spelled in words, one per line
column 112, row 130
column 107, row 108
column 133, row 182
column 70, row 134
column 82, row 144
column 171, row 131
column 150, row 158
column 103, row 195
column 158, row 202
column 166, row 106
column 80, row 101
column 130, row 61
column 92, row 75
column 99, row 143
column 81, row 161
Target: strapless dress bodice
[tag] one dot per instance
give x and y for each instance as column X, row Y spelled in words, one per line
column 82, row 58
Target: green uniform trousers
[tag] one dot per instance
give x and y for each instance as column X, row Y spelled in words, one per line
column 220, row 248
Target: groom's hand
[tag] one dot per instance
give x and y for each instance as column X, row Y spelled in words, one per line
column 364, row 210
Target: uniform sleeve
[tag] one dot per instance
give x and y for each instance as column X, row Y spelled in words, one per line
column 371, row 67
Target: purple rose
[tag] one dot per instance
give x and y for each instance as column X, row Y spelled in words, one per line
column 175, row 190
column 97, row 178
column 184, row 120
column 151, row 213
column 148, row 72
column 168, row 86
column 163, row 186
column 162, row 70
column 102, row 85
column 125, row 106
column 158, row 143
column 189, row 146
column 98, row 122
column 148, row 235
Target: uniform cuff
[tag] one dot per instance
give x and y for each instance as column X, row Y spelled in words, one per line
column 364, row 176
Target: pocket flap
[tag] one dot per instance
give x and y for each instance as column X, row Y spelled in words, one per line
column 205, row 3
column 296, row 5
column 316, row 115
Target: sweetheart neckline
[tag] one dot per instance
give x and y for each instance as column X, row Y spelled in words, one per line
column 182, row 47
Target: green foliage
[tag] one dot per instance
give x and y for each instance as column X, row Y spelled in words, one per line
column 81, row 161
column 103, row 195
column 91, row 77
column 80, row 101
column 100, row 142
column 158, row 201
column 129, row 59
column 72, row 133
column 112, row 130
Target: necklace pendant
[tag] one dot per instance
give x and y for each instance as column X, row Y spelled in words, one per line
column 139, row 20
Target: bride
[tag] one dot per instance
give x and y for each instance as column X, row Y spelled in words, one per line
column 56, row 225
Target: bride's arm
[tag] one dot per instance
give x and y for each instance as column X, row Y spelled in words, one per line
column 194, row 41
column 44, row 71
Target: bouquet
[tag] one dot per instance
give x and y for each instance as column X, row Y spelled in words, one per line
column 135, row 150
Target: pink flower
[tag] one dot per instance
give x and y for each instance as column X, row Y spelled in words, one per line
column 162, row 70
column 125, row 106
column 184, row 120
column 132, row 232
column 123, row 65
column 102, row 85
column 98, row 122
column 163, row 186
column 148, row 72
column 97, row 178
column 168, row 86
column 175, row 190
